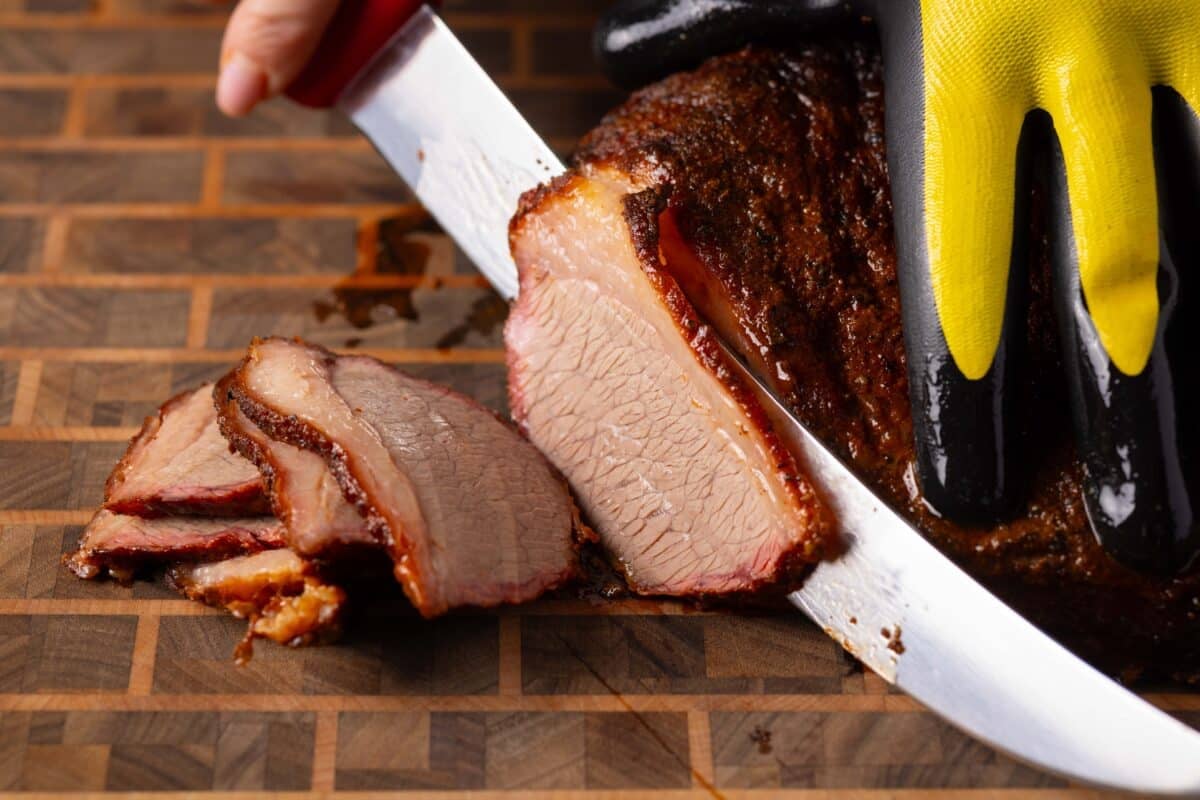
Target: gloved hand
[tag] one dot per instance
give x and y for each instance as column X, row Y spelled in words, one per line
column 974, row 89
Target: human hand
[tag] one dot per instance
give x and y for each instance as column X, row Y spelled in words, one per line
column 267, row 43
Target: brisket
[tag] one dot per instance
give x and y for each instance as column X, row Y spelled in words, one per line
column 613, row 376
column 752, row 195
column 470, row 512
column 277, row 591
column 180, row 464
column 121, row 544
column 306, row 498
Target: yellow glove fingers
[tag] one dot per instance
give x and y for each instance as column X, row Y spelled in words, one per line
column 1090, row 64
column 970, row 179
column 1104, row 128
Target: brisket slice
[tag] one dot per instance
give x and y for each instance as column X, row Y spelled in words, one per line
column 613, row 376
column 180, row 464
column 121, row 544
column 281, row 595
column 772, row 213
column 306, row 498
column 471, row 513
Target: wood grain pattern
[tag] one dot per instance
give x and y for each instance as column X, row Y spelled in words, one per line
column 144, row 238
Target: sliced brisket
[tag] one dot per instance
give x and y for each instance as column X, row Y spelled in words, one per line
column 305, row 496
column 180, row 464
column 614, row 377
column 757, row 185
column 471, row 513
column 121, row 544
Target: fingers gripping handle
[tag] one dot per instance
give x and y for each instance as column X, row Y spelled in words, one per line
column 358, row 31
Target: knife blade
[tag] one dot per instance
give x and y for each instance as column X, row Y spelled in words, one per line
column 916, row 619
column 890, row 598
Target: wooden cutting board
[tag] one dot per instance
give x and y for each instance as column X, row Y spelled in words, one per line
column 143, row 240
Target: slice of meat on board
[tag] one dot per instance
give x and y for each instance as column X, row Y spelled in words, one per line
column 121, row 544
column 471, row 512
column 616, row 379
column 180, row 464
column 306, row 498
column 277, row 591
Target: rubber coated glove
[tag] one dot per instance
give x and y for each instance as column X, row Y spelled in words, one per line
column 1102, row 91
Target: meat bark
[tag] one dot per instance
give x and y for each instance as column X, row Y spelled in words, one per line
column 180, row 464
column 470, row 512
column 320, row 522
column 774, row 218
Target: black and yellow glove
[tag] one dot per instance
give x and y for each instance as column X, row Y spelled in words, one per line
column 1104, row 91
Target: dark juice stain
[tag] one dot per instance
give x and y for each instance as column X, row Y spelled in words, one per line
column 761, row 737
column 364, row 308
column 895, row 643
column 601, row 583
column 396, row 253
column 487, row 313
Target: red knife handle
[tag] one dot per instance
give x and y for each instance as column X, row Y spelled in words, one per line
column 359, row 29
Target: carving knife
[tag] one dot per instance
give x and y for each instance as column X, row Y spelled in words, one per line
column 891, row 599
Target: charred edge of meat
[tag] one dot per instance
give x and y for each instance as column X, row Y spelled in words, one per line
column 225, row 396
column 642, row 212
column 291, row 430
column 126, row 562
column 240, row 443
column 235, row 501
column 240, row 501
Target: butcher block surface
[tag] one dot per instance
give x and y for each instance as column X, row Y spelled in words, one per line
column 144, row 240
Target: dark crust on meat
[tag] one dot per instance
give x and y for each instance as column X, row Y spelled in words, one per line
column 641, row 214
column 289, row 429
column 224, row 397
column 243, row 500
column 797, row 240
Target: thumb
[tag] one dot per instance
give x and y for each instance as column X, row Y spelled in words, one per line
column 267, row 43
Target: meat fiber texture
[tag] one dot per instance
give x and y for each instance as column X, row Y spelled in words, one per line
column 174, row 501
column 178, row 494
column 179, row 463
column 616, row 379
column 470, row 513
column 751, row 195
column 320, row 522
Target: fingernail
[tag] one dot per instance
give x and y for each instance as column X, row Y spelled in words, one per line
column 241, row 85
